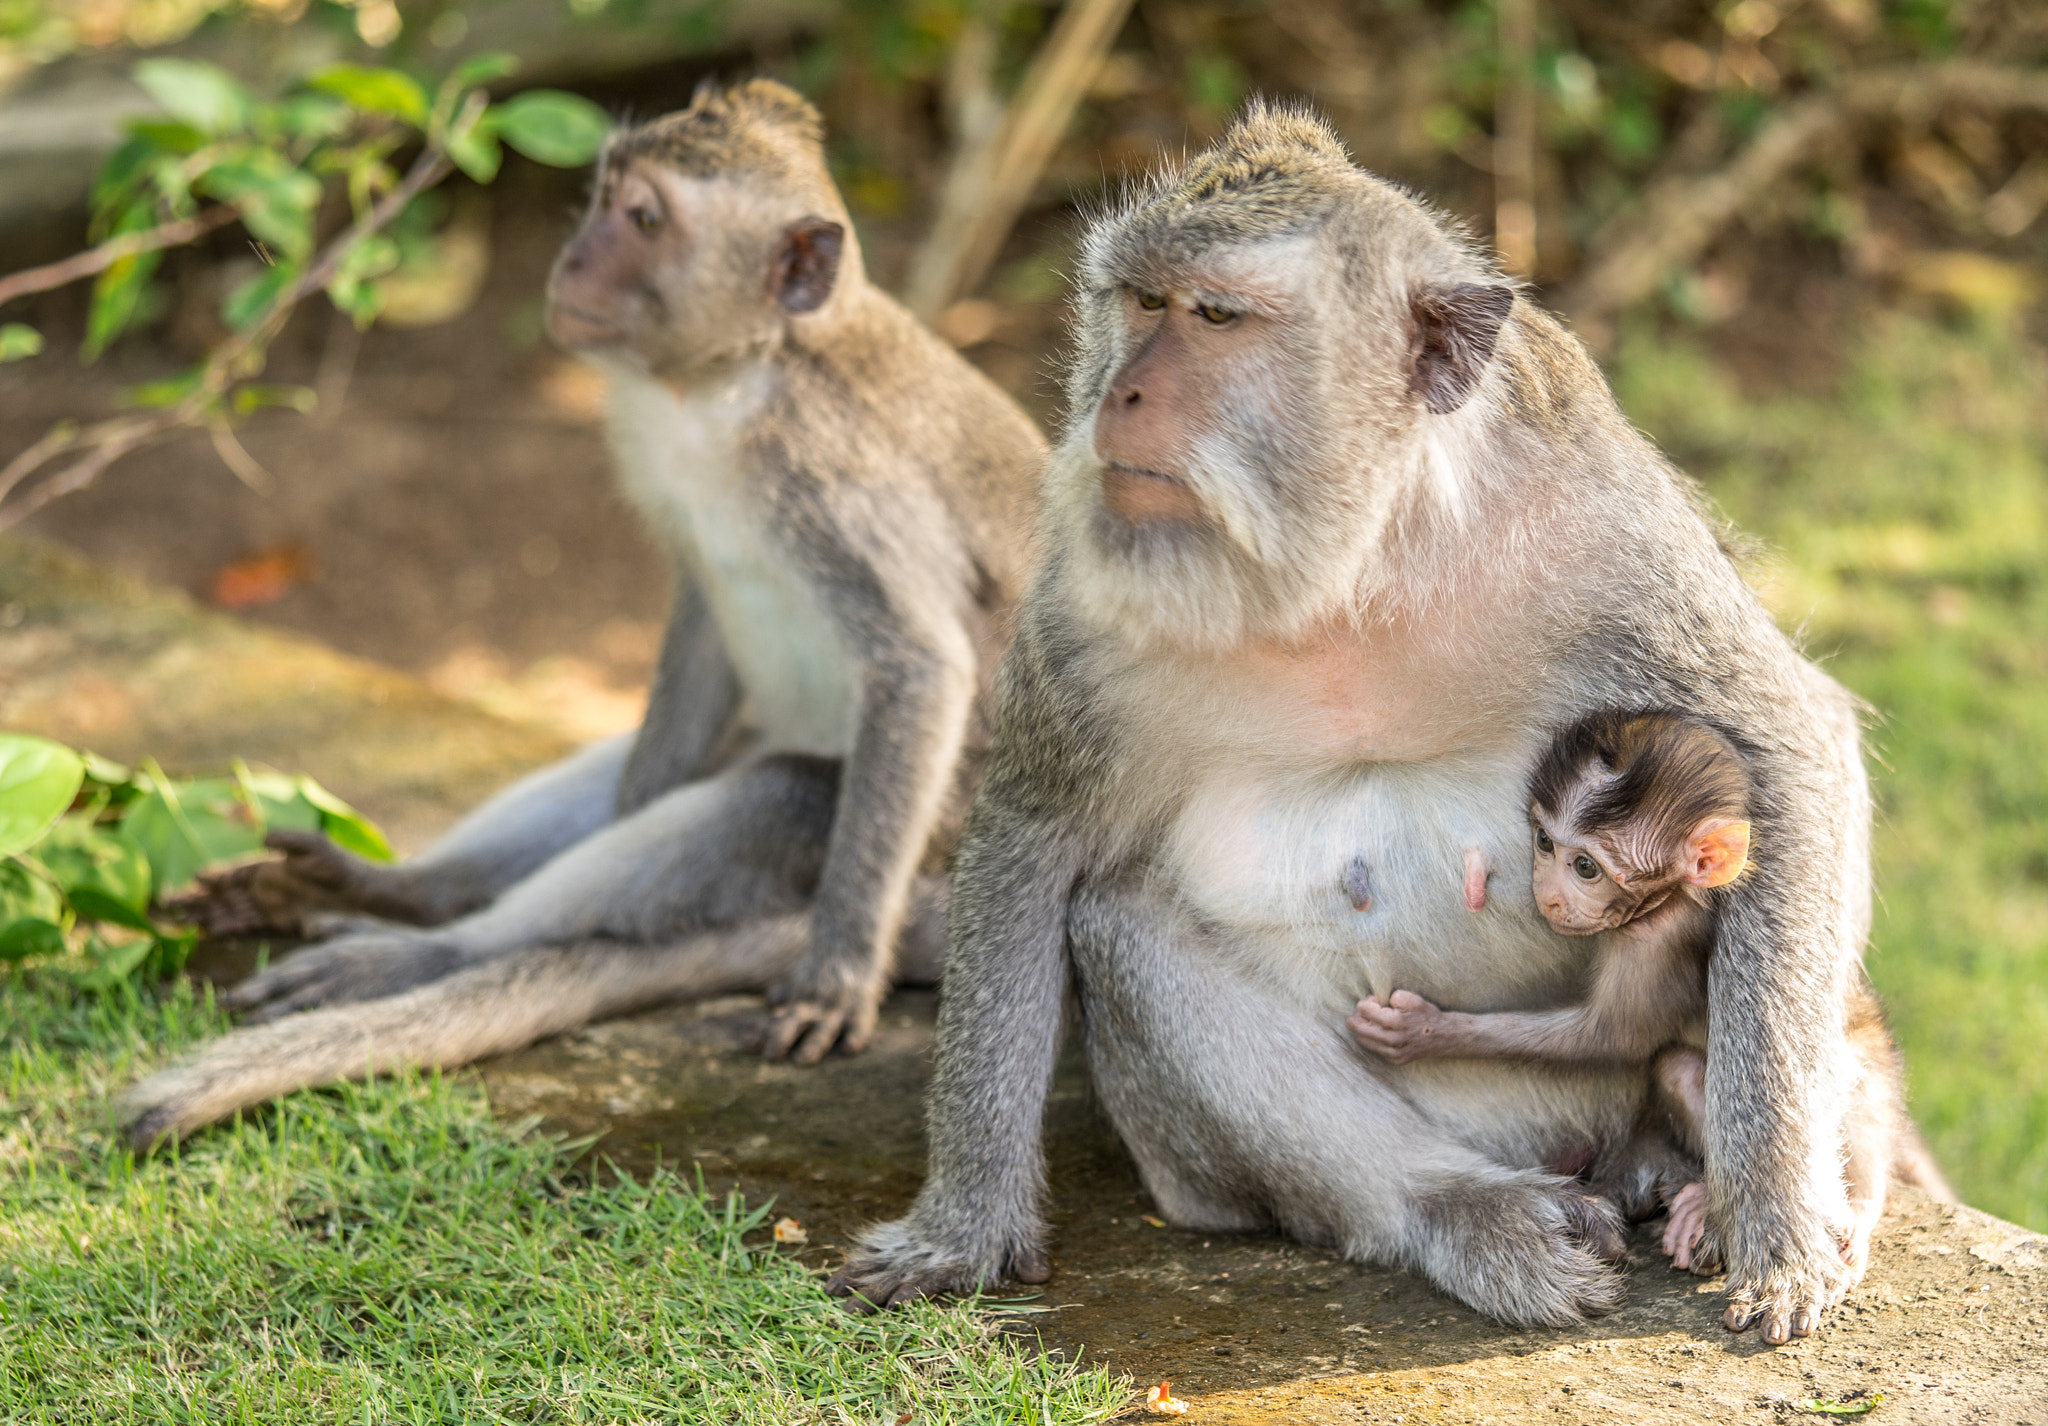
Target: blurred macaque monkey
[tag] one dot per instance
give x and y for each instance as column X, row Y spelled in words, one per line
column 1637, row 819
column 848, row 504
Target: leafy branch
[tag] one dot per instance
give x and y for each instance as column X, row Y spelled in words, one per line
column 87, row 846
column 270, row 167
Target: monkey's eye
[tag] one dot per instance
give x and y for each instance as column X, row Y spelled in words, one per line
column 1215, row 314
column 1586, row 867
column 1151, row 301
column 1543, row 842
column 645, row 219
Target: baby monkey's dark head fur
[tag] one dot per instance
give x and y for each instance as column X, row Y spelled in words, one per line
column 1629, row 807
column 711, row 230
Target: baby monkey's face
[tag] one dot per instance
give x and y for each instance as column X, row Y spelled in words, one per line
column 1581, row 888
column 1586, row 883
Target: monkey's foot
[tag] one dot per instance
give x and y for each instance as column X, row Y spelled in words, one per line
column 894, row 1265
column 282, row 897
column 360, row 967
column 1527, row 1248
column 1686, row 1240
column 815, row 1010
column 1789, row 1300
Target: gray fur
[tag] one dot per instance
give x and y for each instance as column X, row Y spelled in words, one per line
column 1166, row 818
column 848, row 503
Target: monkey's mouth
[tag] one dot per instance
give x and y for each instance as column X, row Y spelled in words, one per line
column 574, row 327
column 1139, row 495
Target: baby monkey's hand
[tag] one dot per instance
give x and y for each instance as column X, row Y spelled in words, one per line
column 1406, row 1028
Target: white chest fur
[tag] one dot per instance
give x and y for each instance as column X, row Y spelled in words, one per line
column 1355, row 880
column 677, row 463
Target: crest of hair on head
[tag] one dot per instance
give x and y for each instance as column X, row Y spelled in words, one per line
column 755, row 125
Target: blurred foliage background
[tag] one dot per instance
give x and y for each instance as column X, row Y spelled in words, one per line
column 1805, row 235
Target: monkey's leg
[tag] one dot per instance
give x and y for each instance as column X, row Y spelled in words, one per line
column 493, row 847
column 1323, row 1146
column 485, row 1010
column 746, row 843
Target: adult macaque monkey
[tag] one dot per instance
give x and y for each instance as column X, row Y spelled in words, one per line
column 848, row 503
column 1340, row 531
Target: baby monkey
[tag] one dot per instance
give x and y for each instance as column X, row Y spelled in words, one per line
column 1637, row 818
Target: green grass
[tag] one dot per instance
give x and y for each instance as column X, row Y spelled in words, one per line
column 390, row 1253
column 1908, row 519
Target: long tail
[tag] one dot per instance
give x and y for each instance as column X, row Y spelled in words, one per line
column 489, row 1009
column 1913, row 1162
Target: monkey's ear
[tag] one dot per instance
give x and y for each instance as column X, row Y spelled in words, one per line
column 1716, row 853
column 1455, row 329
column 807, row 264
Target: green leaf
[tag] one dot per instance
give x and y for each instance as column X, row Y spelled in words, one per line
column 277, row 198
column 105, row 770
column 474, row 149
column 116, row 297
column 257, row 394
column 481, row 69
column 94, row 904
column 206, row 97
column 552, row 127
column 124, row 168
column 167, row 136
column 38, row 779
column 114, row 965
column 26, row 893
column 246, row 305
column 185, row 827
column 309, row 116
column 30, row 936
column 18, row 341
column 352, row 288
column 344, row 826
column 169, row 952
column 154, row 395
column 1862, row 1406
column 81, row 855
column 375, row 91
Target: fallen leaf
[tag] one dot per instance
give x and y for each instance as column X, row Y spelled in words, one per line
column 263, row 578
column 788, row 1230
column 1155, row 1222
column 1161, row 1399
column 1859, row 1406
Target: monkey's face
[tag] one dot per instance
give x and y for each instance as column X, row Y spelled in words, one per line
column 1204, row 494
column 1582, row 886
column 677, row 273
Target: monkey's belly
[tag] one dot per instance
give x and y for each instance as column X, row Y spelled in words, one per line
column 1355, row 883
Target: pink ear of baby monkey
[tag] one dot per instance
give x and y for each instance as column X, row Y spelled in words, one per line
column 1717, row 853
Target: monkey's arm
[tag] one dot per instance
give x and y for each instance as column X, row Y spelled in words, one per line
column 915, row 705
column 689, row 709
column 1644, row 989
column 1779, row 1065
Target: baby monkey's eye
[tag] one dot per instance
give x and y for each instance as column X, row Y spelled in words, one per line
column 1218, row 315
column 1151, row 301
column 645, row 219
column 1543, row 842
column 1586, row 867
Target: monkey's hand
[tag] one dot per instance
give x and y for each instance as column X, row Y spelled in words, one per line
column 358, row 967
column 897, row 1263
column 1406, row 1028
column 827, row 1001
column 1686, row 1240
column 277, row 897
